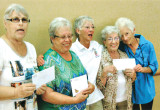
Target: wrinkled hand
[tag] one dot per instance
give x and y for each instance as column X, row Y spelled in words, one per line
column 80, row 97
column 110, row 69
column 24, row 90
column 40, row 60
column 41, row 90
column 129, row 72
column 138, row 68
column 90, row 89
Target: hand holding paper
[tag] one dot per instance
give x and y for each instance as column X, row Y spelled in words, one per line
column 78, row 84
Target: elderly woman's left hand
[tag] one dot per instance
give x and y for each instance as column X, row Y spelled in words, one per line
column 90, row 89
column 130, row 72
column 41, row 90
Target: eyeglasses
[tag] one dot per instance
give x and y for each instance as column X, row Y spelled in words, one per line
column 64, row 37
column 89, row 27
column 110, row 39
column 17, row 20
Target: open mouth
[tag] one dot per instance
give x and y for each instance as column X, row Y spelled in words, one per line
column 20, row 29
column 90, row 35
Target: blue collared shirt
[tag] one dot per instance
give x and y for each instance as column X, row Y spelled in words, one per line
column 145, row 55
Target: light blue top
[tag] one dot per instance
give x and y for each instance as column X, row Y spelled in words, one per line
column 144, row 85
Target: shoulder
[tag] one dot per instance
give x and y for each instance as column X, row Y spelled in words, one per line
column 98, row 47
column 145, row 43
column 29, row 45
column 95, row 43
column 50, row 52
column 122, row 54
column 2, row 43
column 73, row 54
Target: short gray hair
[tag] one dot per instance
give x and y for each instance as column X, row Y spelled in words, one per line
column 58, row 23
column 125, row 22
column 109, row 30
column 17, row 8
column 80, row 21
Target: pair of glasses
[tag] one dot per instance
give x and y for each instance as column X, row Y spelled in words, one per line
column 17, row 20
column 64, row 37
column 110, row 39
column 89, row 27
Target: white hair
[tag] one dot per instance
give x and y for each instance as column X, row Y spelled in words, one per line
column 109, row 30
column 17, row 8
column 125, row 22
column 57, row 23
column 79, row 22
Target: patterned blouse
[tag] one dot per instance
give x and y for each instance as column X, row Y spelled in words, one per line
column 64, row 71
column 110, row 89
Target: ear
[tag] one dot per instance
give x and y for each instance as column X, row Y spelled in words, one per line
column 78, row 31
column 5, row 24
column 134, row 30
column 104, row 42
column 51, row 39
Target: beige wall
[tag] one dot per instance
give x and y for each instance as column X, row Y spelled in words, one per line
column 145, row 14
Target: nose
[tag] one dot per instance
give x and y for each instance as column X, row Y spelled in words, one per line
column 67, row 39
column 113, row 40
column 124, row 37
column 91, row 29
column 20, row 22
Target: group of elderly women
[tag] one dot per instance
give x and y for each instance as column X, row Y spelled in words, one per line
column 108, row 88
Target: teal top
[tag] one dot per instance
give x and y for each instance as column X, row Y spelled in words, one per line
column 64, row 71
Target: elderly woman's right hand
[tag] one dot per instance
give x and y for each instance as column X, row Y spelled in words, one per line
column 80, row 97
column 109, row 69
column 24, row 90
column 40, row 60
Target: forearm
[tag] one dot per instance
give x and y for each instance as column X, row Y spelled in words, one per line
column 7, row 93
column 101, row 81
column 146, row 70
column 58, row 98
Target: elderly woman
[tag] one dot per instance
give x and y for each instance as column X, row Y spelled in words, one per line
column 115, row 85
column 16, row 57
column 89, row 53
column 58, row 95
column 136, row 46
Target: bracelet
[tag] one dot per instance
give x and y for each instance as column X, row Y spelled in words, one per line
column 109, row 74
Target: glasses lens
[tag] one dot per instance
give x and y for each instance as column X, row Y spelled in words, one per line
column 25, row 20
column 110, row 39
column 15, row 20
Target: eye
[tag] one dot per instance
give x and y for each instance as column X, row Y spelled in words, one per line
column 116, row 38
column 63, row 37
column 93, row 27
column 127, row 33
column 87, row 27
column 15, row 19
column 25, row 20
column 110, row 39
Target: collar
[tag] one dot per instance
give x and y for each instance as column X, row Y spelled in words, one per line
column 81, row 47
column 142, row 40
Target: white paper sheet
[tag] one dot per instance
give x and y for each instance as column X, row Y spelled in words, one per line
column 43, row 76
column 122, row 64
column 78, row 84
